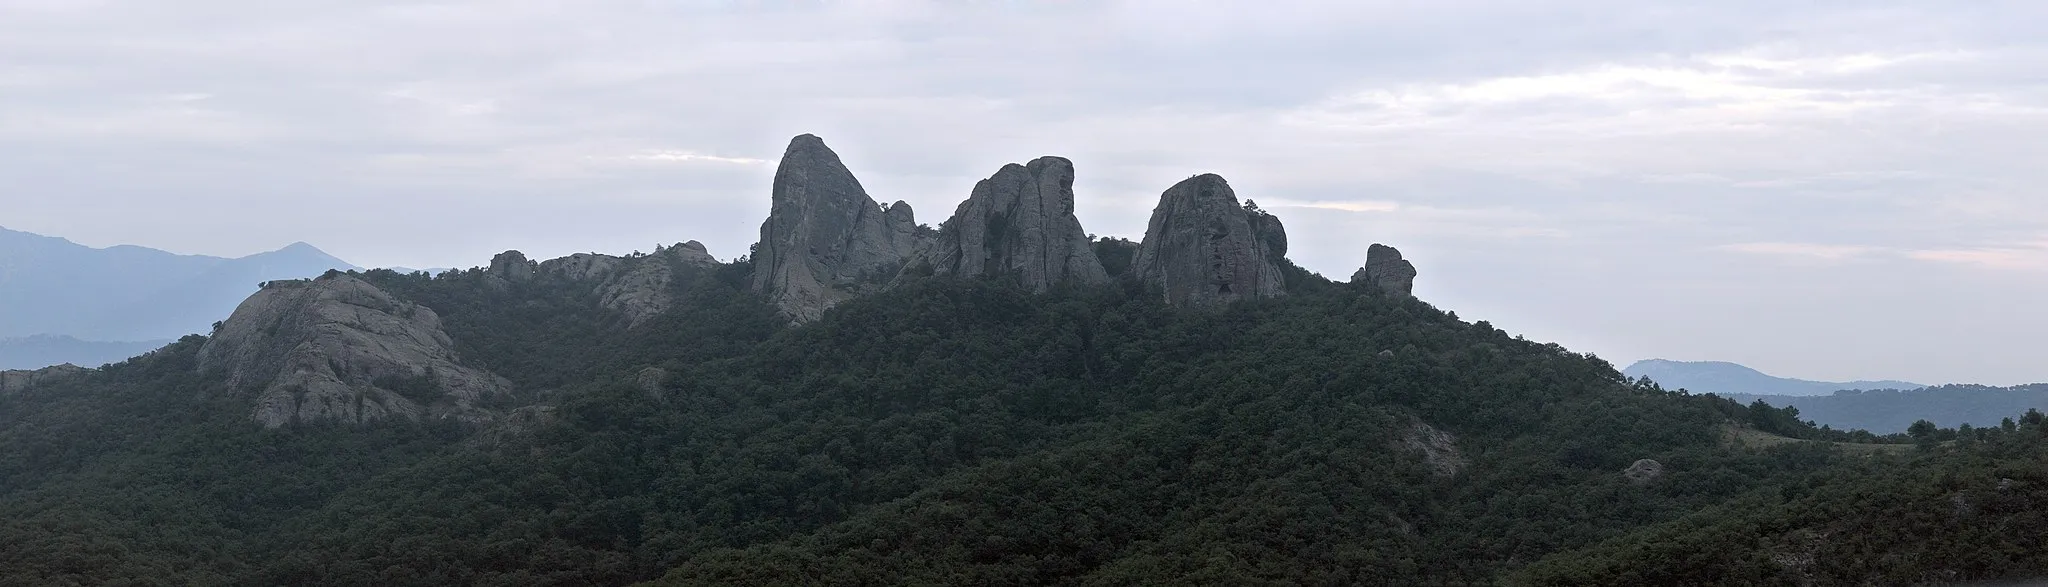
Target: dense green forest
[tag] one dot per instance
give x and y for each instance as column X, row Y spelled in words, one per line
column 969, row 432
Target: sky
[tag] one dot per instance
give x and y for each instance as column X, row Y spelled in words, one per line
column 1827, row 190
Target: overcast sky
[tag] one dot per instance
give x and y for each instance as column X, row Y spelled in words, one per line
column 1835, row 190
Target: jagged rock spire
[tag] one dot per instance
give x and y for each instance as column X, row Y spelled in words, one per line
column 825, row 240
column 1018, row 223
column 1202, row 248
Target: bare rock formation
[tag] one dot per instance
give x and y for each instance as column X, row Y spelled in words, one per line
column 17, row 381
column 339, row 349
column 638, row 287
column 1439, row 449
column 1643, row 471
column 825, row 240
column 512, row 266
column 1201, row 247
column 1018, row 223
column 1385, row 269
column 580, row 267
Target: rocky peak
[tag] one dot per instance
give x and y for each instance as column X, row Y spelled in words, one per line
column 1202, row 248
column 1385, row 269
column 1019, row 223
column 340, row 349
column 825, row 240
column 17, row 381
column 512, row 266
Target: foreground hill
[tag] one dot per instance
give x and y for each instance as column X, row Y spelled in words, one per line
column 1730, row 378
column 1201, row 411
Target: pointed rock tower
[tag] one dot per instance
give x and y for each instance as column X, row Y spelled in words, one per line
column 1202, row 248
column 825, row 240
column 1018, row 223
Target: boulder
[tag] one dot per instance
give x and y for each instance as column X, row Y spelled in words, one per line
column 1201, row 247
column 825, row 240
column 1019, row 224
column 340, row 349
column 1385, row 269
column 17, row 381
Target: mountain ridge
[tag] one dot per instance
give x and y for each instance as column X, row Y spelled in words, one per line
column 1725, row 378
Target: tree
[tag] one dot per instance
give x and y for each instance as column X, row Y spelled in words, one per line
column 1922, row 432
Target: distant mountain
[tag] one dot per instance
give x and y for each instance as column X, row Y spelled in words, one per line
column 1725, row 378
column 35, row 352
column 1888, row 411
column 53, row 286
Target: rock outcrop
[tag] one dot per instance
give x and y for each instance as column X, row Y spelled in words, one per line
column 1385, row 269
column 1439, row 449
column 17, row 381
column 637, row 287
column 1018, row 223
column 512, row 266
column 340, row 349
column 1202, row 248
column 1643, row 471
column 825, row 240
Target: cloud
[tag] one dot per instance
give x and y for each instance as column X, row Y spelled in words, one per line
column 675, row 156
column 1824, row 252
column 2017, row 257
column 1342, row 206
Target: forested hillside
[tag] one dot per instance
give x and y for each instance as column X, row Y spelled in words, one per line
column 969, row 431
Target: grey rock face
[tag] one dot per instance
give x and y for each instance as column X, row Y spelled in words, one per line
column 338, row 348
column 825, row 240
column 636, row 287
column 1019, row 222
column 512, row 266
column 1202, row 248
column 1643, row 471
column 580, row 267
column 1438, row 448
column 1271, row 234
column 1385, row 269
column 17, row 381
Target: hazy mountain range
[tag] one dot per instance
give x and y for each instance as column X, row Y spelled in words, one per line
column 61, row 301
column 1730, row 378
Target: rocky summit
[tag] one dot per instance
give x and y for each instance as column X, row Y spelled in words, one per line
column 17, row 381
column 825, row 240
column 340, row 349
column 636, row 287
column 1384, row 268
column 1018, row 223
column 1202, row 248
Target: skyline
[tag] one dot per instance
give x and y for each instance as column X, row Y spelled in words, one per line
column 1838, row 191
